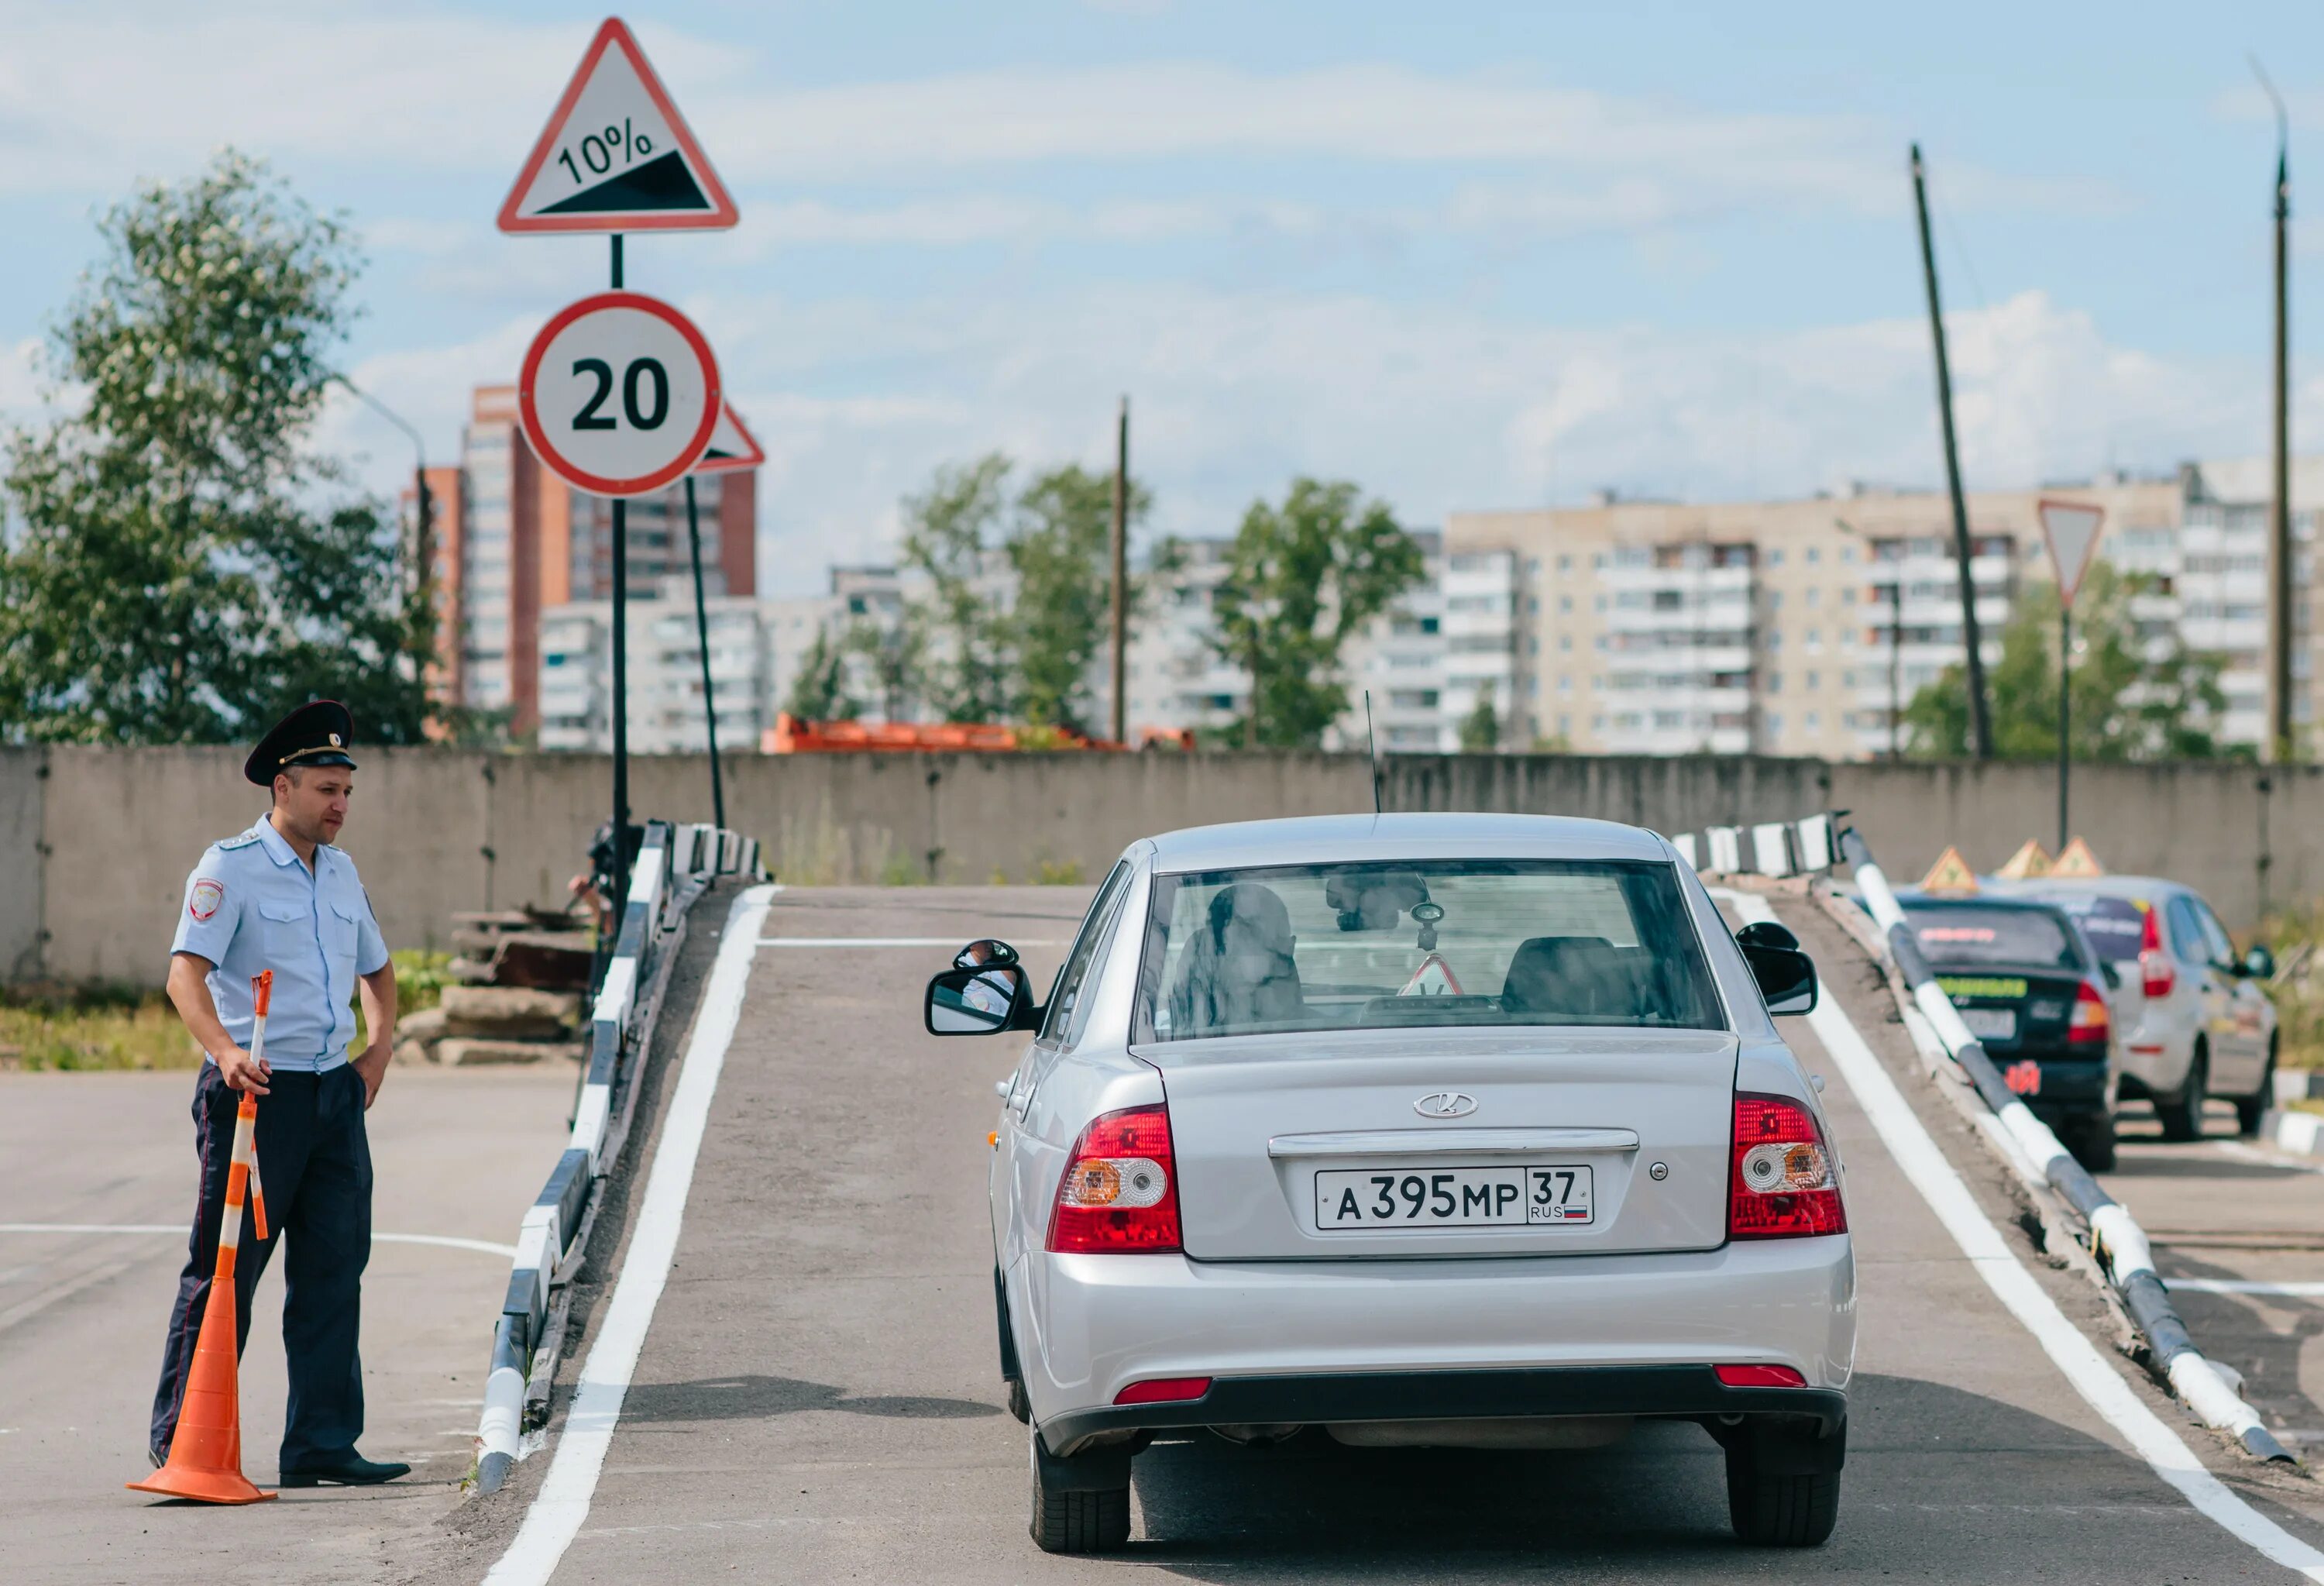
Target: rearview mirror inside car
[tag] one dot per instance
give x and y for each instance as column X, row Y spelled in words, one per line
column 1787, row 976
column 980, row 999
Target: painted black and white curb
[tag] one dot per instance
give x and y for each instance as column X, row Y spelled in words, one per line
column 675, row 865
column 2114, row 1237
column 2300, row 1133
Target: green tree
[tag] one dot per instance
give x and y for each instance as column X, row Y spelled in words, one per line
column 1301, row 578
column 951, row 532
column 896, row 654
column 2127, row 704
column 185, row 569
column 1060, row 548
column 1480, row 729
column 819, row 693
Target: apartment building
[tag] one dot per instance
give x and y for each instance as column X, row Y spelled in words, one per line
column 510, row 541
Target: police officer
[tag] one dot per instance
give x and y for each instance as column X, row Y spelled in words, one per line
column 280, row 896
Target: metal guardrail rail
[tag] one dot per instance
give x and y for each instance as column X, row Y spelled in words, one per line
column 675, row 865
column 1820, row 844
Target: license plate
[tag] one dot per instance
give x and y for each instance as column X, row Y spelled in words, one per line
column 1532, row 1195
column 1991, row 1024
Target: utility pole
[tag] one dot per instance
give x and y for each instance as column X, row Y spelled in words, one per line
column 2281, row 569
column 1896, row 665
column 1121, row 572
column 1980, row 723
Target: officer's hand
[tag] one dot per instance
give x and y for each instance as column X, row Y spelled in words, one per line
column 240, row 1074
column 372, row 1069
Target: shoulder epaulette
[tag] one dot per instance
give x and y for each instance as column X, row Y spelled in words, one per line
column 245, row 841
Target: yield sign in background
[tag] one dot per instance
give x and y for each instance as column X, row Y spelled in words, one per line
column 2071, row 528
column 732, row 445
column 616, row 155
column 619, row 395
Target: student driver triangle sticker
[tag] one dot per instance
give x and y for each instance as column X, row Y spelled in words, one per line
column 616, row 154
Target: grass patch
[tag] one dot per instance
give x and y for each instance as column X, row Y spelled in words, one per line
column 2299, row 997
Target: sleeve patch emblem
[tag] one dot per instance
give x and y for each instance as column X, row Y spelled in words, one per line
column 206, row 896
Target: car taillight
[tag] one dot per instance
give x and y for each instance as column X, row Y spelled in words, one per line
column 2155, row 975
column 1164, row 1390
column 1118, row 1195
column 1782, row 1184
column 1759, row 1377
column 2089, row 1023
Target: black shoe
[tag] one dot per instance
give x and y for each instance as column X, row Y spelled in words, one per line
column 348, row 1470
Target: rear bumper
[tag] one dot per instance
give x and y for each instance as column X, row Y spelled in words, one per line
column 1689, row 1392
column 1087, row 1326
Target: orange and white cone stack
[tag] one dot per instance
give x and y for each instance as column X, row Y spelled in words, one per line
column 206, row 1453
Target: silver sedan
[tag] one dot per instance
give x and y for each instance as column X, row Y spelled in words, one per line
column 1450, row 1131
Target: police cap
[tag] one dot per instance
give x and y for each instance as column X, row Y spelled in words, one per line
column 318, row 732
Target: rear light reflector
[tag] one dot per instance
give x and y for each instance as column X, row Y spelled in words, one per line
column 2157, row 977
column 1783, row 1184
column 1118, row 1195
column 1164, row 1390
column 2089, row 1023
column 1760, row 1376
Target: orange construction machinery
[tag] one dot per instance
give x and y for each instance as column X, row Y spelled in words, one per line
column 792, row 736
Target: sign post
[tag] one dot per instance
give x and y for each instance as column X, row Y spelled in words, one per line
column 617, row 156
column 2070, row 529
column 731, row 447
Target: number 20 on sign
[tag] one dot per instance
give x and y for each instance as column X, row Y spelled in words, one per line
column 619, row 395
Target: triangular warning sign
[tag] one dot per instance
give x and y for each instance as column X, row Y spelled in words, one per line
column 2078, row 862
column 2029, row 863
column 1433, row 978
column 2071, row 529
column 616, row 156
column 732, row 445
column 1950, row 873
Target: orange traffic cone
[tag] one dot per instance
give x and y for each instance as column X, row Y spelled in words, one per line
column 206, row 1452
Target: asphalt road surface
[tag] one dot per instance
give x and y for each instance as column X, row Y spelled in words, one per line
column 456, row 1156
column 817, row 1397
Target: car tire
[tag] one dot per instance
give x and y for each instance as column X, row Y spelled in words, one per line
column 2093, row 1144
column 1778, row 1511
column 1079, row 1511
column 2182, row 1115
column 2252, row 1108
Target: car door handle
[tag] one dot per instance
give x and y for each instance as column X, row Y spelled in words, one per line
column 1449, row 1142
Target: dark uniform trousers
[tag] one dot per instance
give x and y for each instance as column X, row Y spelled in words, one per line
column 314, row 1163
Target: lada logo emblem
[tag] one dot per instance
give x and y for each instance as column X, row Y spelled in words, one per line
column 1445, row 1105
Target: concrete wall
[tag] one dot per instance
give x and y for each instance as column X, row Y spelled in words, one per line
column 95, row 843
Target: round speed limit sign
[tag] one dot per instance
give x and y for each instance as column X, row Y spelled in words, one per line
column 619, row 395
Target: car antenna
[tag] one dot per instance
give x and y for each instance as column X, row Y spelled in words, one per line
column 1372, row 738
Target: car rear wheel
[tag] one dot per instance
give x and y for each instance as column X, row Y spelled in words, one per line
column 1777, row 1496
column 1080, row 1505
column 2250, row 1109
column 2182, row 1115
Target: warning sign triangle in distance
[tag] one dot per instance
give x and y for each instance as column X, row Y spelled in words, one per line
column 616, row 154
column 2070, row 529
column 732, row 447
column 1950, row 873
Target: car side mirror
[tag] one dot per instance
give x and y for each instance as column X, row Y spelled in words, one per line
column 1766, row 933
column 985, row 953
column 2259, row 965
column 978, row 999
column 1787, row 976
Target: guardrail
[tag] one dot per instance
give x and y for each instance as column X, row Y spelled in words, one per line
column 675, row 865
column 1819, row 845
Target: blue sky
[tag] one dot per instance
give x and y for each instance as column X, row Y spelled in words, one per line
column 1470, row 256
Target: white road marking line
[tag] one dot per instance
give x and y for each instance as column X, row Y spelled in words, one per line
column 892, row 942
column 563, row 1502
column 2305, row 1291
column 2243, row 1153
column 483, row 1246
column 2096, row 1380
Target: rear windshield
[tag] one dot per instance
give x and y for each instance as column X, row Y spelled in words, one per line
column 1433, row 942
column 1992, row 935
column 2114, row 925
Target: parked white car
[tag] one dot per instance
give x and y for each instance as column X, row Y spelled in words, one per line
column 1454, row 1130
column 2195, row 1020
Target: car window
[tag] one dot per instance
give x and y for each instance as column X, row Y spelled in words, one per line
column 2114, row 926
column 1066, row 996
column 2221, row 946
column 1951, row 935
column 1423, row 942
column 2187, row 932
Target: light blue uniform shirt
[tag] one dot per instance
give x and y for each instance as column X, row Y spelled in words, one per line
column 250, row 905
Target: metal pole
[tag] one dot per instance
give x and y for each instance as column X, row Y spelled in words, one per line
column 702, row 637
column 2065, row 711
column 621, row 700
column 1121, row 573
column 1896, row 664
column 1981, row 724
column 2281, row 569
